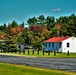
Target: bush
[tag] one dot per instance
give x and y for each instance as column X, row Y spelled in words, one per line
column 0, row 45
column 5, row 47
column 9, row 47
column 13, row 48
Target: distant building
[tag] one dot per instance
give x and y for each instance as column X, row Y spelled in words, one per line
column 62, row 44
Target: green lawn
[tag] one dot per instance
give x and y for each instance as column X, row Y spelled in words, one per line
column 58, row 55
column 11, row 69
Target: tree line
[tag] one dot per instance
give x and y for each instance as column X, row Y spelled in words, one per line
column 40, row 28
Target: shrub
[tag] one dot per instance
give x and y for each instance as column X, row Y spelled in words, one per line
column 13, row 48
column 9, row 47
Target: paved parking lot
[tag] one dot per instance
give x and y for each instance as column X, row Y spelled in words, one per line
column 53, row 63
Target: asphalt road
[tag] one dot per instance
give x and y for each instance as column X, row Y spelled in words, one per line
column 68, row 64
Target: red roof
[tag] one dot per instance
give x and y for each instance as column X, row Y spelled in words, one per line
column 57, row 39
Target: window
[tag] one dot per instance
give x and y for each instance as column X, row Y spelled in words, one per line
column 49, row 44
column 45, row 44
column 67, row 44
column 52, row 44
column 60, row 44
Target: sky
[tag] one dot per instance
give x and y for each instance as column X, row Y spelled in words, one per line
column 22, row 10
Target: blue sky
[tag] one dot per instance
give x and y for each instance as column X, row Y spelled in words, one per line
column 21, row 10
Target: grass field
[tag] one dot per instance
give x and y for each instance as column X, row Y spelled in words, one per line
column 11, row 69
column 58, row 55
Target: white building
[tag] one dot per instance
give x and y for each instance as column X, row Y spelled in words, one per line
column 62, row 44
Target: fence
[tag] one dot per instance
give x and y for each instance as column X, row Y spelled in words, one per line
column 33, row 52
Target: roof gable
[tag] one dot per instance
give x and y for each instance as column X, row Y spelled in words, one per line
column 57, row 39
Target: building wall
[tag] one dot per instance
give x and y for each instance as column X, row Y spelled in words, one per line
column 72, row 45
column 63, row 47
column 52, row 46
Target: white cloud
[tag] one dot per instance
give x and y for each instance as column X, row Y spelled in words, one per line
column 56, row 10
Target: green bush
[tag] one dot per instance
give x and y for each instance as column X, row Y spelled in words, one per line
column 0, row 45
column 9, row 47
column 5, row 47
column 13, row 48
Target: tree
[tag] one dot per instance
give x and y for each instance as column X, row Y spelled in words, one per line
column 16, row 30
column 25, row 37
column 13, row 33
column 54, row 32
column 21, row 39
column 32, row 21
column 50, row 22
column 14, row 24
column 40, row 33
column 3, row 27
column 22, row 25
column 63, row 30
column 8, row 29
column 41, row 19
column 62, row 20
column 71, row 29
